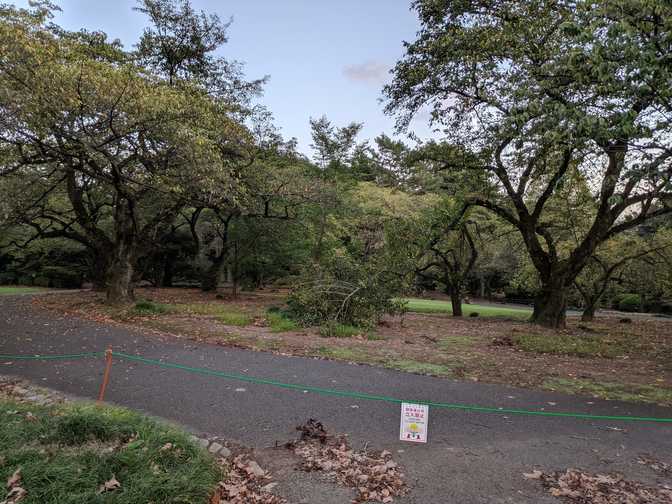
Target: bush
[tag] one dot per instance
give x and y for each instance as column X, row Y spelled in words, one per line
column 630, row 302
column 344, row 292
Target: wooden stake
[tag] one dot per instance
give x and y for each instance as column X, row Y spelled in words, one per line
column 106, row 376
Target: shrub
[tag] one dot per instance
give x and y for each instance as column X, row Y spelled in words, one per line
column 344, row 292
column 630, row 302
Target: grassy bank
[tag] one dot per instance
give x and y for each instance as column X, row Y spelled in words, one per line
column 69, row 454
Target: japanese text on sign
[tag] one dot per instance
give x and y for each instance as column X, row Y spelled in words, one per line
column 414, row 419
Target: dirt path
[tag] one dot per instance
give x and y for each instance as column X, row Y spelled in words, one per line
column 471, row 457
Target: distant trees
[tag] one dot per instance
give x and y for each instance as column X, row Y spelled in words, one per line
column 538, row 89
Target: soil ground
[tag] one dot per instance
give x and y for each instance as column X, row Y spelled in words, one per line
column 606, row 358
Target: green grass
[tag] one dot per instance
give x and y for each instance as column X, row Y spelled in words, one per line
column 570, row 344
column 437, row 306
column 348, row 354
column 12, row 290
column 340, row 331
column 411, row 366
column 145, row 307
column 280, row 323
column 234, row 318
column 613, row 391
column 66, row 453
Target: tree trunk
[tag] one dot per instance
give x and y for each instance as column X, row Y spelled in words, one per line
column 550, row 305
column 123, row 255
column 456, row 301
column 236, row 276
column 589, row 312
column 120, row 277
column 168, row 270
column 212, row 275
column 99, row 268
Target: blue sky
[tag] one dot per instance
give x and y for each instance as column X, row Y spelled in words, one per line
column 323, row 56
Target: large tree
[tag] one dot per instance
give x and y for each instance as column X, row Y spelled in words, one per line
column 124, row 146
column 538, row 89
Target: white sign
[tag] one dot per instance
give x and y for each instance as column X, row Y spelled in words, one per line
column 414, row 418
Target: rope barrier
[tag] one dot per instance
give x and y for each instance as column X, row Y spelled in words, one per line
column 327, row 391
column 52, row 357
column 372, row 397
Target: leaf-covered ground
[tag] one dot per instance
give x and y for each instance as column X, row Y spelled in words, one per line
column 581, row 487
column 607, row 358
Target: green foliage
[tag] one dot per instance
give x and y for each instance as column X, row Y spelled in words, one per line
column 87, row 445
column 553, row 99
column 344, row 292
column 630, row 302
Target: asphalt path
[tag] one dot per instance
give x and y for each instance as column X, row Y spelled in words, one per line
column 470, row 457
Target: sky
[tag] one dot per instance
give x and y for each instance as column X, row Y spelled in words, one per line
column 324, row 57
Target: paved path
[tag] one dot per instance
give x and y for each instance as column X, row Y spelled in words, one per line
column 471, row 457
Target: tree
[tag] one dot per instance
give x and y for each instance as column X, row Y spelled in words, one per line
column 449, row 259
column 124, row 147
column 537, row 89
column 273, row 185
column 609, row 260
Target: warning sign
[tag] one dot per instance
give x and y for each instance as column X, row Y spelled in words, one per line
column 414, row 419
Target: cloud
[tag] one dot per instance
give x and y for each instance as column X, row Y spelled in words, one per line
column 369, row 71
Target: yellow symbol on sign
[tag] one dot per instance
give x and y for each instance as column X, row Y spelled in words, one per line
column 413, row 427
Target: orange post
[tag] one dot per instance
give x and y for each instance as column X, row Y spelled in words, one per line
column 106, row 376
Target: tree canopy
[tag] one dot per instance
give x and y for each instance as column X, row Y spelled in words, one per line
column 539, row 90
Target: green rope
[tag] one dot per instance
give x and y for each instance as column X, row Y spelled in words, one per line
column 53, row 357
column 370, row 397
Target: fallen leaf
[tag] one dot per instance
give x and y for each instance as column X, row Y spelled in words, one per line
column 110, row 485
column 14, row 479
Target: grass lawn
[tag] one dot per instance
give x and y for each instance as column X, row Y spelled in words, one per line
column 437, row 306
column 67, row 453
column 13, row 289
